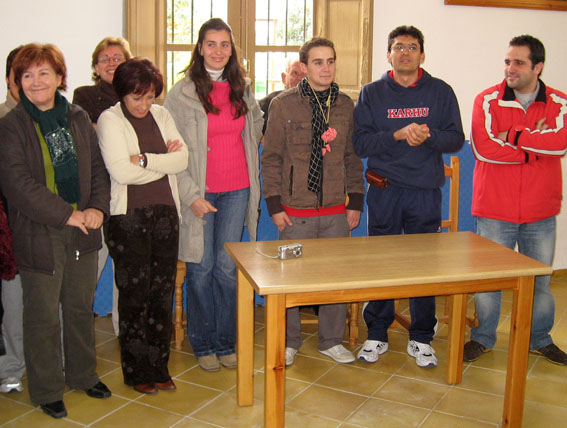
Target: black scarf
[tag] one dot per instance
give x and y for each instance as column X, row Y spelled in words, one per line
column 318, row 102
column 55, row 130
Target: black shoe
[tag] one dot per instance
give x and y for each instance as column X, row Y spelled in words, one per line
column 473, row 350
column 56, row 409
column 98, row 391
column 552, row 353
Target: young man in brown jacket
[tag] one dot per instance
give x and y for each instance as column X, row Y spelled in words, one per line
column 309, row 170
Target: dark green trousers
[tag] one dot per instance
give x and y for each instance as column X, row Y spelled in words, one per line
column 73, row 286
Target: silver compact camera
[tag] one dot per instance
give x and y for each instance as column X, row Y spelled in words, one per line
column 290, row 251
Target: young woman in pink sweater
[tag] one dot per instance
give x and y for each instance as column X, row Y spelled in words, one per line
column 217, row 115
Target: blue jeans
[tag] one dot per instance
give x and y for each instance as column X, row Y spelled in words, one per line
column 211, row 284
column 535, row 240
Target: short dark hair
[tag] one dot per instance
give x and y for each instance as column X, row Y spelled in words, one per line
column 315, row 42
column 406, row 30
column 137, row 76
column 36, row 54
column 537, row 50
column 10, row 59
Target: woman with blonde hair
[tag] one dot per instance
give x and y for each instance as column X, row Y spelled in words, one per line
column 215, row 111
column 107, row 56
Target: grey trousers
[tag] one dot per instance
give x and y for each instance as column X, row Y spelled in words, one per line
column 332, row 318
column 12, row 364
column 73, row 285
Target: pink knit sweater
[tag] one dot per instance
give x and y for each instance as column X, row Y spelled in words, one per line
column 226, row 160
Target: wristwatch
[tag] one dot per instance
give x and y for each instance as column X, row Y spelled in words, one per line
column 142, row 160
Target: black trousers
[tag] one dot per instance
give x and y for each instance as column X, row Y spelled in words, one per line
column 144, row 246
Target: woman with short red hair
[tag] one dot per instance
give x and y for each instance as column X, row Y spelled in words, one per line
column 57, row 189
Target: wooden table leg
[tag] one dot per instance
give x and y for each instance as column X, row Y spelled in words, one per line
column 518, row 353
column 244, row 341
column 457, row 319
column 178, row 323
column 353, row 324
column 274, row 368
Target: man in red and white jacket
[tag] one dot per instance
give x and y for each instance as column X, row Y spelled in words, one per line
column 518, row 137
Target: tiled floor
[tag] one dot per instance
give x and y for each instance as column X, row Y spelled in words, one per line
column 320, row 393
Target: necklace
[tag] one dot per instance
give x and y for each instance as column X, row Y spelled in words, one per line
column 331, row 133
column 327, row 103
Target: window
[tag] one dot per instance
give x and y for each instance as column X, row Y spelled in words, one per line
column 281, row 28
column 267, row 32
column 183, row 22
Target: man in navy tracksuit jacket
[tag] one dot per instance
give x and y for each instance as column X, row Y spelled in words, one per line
column 403, row 123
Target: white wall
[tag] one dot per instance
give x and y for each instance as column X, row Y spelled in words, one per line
column 465, row 46
column 74, row 26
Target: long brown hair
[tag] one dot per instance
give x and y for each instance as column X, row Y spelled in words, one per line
column 233, row 72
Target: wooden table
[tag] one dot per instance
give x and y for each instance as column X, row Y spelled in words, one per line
column 373, row 268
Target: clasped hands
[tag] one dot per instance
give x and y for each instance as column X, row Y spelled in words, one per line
column 414, row 133
column 90, row 218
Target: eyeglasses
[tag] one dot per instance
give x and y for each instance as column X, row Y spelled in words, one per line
column 403, row 48
column 106, row 59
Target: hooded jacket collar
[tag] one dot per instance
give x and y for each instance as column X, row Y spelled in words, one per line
column 509, row 94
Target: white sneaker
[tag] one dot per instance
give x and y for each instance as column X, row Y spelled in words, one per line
column 339, row 353
column 11, row 384
column 290, row 356
column 424, row 354
column 371, row 350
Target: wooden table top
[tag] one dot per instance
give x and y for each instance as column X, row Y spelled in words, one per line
column 379, row 261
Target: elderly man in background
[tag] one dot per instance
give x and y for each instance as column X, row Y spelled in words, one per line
column 290, row 78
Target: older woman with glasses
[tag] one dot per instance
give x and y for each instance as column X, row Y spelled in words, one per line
column 143, row 151
column 107, row 56
column 58, row 190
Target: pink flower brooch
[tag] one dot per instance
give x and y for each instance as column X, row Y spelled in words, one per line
column 328, row 136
